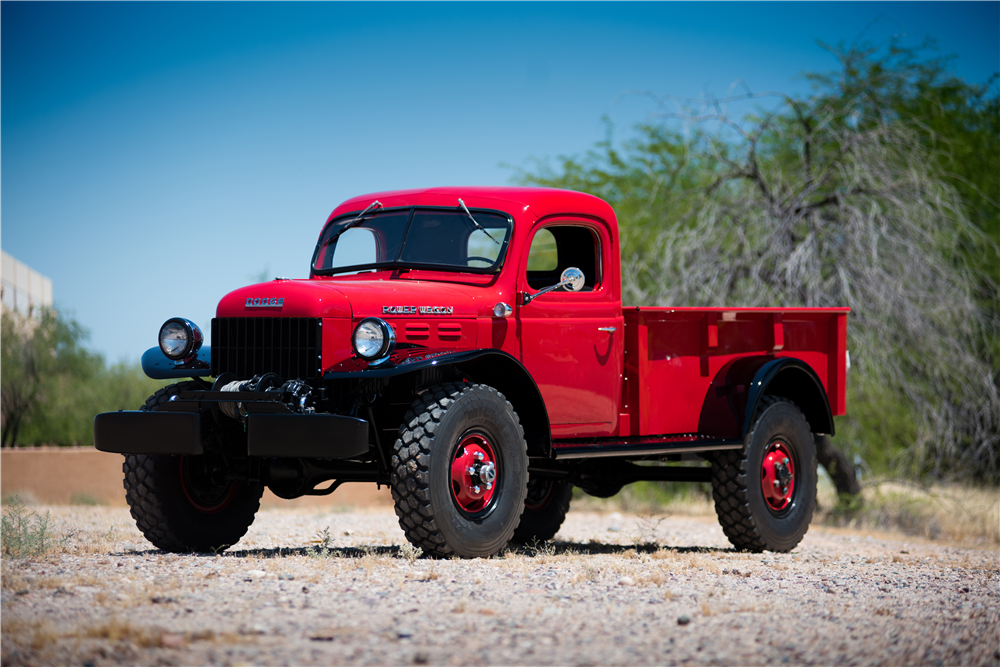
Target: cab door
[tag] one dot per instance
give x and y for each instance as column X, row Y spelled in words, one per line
column 572, row 342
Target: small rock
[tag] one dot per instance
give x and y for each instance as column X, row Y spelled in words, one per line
column 683, row 620
column 626, row 581
column 162, row 599
column 171, row 640
column 255, row 574
column 286, row 577
column 23, row 591
column 403, row 632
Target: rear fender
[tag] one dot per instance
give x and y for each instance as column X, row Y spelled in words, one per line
column 795, row 380
column 732, row 400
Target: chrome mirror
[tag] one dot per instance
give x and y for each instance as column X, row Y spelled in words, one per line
column 572, row 279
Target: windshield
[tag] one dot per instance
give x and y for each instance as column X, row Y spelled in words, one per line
column 414, row 238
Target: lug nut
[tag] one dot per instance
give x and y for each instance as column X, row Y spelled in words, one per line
column 479, row 456
column 476, row 490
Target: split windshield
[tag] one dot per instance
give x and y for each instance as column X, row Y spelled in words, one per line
column 414, row 238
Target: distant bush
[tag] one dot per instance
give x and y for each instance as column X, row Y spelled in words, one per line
column 25, row 534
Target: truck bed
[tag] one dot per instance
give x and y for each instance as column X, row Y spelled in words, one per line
column 681, row 364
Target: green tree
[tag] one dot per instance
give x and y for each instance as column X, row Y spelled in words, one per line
column 839, row 199
column 52, row 386
column 36, row 352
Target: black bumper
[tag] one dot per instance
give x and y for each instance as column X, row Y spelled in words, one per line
column 275, row 435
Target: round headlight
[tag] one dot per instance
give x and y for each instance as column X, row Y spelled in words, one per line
column 180, row 338
column 374, row 339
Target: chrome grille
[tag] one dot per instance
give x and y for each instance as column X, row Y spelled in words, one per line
column 248, row 346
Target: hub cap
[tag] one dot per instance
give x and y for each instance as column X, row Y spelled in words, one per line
column 474, row 473
column 777, row 476
column 204, row 483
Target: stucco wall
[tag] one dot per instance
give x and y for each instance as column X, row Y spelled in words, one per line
column 67, row 475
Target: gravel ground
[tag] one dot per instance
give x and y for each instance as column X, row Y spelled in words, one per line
column 612, row 589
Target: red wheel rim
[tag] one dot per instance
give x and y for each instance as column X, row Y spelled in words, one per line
column 474, row 473
column 777, row 476
column 206, row 501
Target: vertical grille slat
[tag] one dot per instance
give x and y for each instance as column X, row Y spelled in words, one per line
column 248, row 346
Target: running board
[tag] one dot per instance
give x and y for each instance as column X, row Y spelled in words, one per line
column 588, row 448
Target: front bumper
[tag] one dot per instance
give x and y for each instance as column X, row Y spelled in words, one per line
column 268, row 434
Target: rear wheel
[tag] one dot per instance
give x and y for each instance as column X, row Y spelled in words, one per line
column 765, row 494
column 188, row 503
column 459, row 471
column 545, row 508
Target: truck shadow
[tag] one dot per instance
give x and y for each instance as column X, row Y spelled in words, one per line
column 543, row 549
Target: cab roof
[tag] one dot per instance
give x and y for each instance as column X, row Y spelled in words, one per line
column 541, row 202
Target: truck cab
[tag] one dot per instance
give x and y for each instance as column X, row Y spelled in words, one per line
column 468, row 347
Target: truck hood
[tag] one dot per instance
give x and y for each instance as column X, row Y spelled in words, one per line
column 354, row 298
column 285, row 298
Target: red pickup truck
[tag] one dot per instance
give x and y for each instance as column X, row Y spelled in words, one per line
column 468, row 347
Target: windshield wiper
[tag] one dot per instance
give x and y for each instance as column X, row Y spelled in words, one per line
column 354, row 222
column 475, row 222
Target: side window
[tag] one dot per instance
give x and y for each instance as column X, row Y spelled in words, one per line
column 556, row 248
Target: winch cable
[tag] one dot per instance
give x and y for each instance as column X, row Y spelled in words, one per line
column 232, row 410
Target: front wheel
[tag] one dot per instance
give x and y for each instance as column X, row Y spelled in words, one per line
column 188, row 503
column 459, row 471
column 765, row 494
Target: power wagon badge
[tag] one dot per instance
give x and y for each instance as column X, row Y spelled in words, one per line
column 414, row 310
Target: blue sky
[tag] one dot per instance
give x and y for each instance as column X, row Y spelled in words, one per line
column 158, row 155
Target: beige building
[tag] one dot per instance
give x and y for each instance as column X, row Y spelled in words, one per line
column 22, row 288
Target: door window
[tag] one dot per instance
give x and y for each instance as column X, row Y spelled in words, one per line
column 556, row 248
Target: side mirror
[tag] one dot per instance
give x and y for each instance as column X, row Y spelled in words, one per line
column 572, row 279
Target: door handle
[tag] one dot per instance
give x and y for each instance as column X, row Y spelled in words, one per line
column 608, row 329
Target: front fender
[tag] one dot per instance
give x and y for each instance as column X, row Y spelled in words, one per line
column 495, row 368
column 158, row 366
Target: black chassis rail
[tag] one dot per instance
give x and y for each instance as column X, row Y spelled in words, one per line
column 272, row 429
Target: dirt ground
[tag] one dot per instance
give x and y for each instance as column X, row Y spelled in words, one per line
column 310, row 586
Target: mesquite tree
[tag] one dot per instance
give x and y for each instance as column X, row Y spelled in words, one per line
column 814, row 203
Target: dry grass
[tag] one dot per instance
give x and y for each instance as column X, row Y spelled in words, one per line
column 957, row 514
